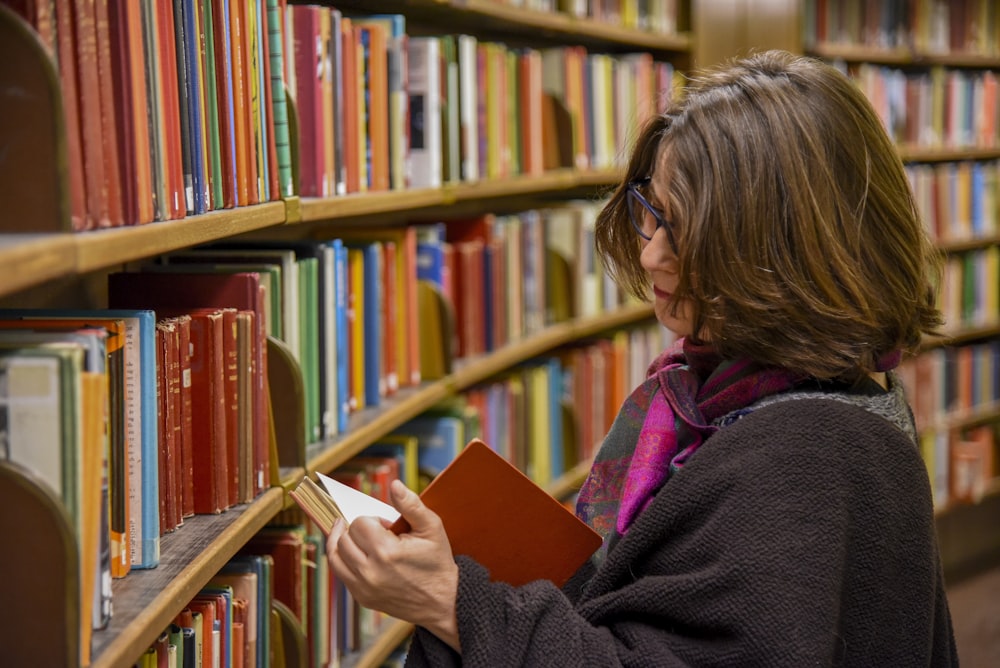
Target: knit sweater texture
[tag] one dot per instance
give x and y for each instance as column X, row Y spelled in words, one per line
column 802, row 534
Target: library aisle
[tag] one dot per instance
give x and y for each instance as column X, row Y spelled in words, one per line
column 975, row 612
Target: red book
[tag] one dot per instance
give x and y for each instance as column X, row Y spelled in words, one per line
column 305, row 52
column 208, row 415
column 224, row 79
column 184, row 408
column 161, row 429
column 109, row 117
column 91, row 126
column 66, row 53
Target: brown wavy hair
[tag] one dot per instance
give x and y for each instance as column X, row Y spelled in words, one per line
column 800, row 245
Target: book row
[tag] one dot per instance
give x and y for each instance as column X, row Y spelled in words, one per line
column 970, row 290
column 958, row 201
column 934, row 108
column 658, row 16
column 171, row 108
column 388, row 110
column 926, row 26
column 949, row 383
column 180, row 108
column 962, row 464
column 947, row 386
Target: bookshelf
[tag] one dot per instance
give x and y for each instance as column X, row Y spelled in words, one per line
column 61, row 268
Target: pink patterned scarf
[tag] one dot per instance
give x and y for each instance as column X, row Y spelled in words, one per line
column 688, row 387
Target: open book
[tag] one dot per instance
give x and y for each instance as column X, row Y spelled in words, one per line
column 491, row 511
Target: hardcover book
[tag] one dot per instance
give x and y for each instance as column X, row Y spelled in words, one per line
column 491, row 511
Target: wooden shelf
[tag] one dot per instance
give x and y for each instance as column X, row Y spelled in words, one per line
column 959, row 246
column 491, row 19
column 924, row 154
column 967, row 334
column 146, row 601
column 30, row 260
column 402, row 205
column 857, row 53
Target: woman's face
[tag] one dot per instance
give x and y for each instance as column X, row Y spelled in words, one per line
column 660, row 262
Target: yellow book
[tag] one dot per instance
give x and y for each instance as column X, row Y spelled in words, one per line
column 356, row 327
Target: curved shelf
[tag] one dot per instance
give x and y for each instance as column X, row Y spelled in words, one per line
column 366, row 426
column 488, row 17
column 855, row 53
column 146, row 601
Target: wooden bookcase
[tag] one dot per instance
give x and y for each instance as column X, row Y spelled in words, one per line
column 64, row 268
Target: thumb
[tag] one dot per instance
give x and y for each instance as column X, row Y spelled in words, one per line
column 413, row 511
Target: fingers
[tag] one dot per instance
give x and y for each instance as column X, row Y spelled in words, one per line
column 413, row 510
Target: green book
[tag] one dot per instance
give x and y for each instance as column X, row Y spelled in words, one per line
column 212, row 105
column 279, row 103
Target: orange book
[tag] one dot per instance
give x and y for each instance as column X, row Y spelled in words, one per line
column 348, row 75
column 376, row 84
column 494, row 514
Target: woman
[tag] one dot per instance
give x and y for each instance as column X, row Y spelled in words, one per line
column 761, row 495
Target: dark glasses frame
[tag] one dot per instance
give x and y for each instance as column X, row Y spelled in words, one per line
column 634, row 196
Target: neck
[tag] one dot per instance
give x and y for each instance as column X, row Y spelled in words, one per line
column 880, row 378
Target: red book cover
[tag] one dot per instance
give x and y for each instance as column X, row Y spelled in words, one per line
column 224, row 79
column 162, row 430
column 91, row 126
column 231, row 398
column 66, row 54
column 210, row 457
column 184, row 408
column 307, row 99
column 109, row 117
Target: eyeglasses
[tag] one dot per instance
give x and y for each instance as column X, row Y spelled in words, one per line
column 642, row 213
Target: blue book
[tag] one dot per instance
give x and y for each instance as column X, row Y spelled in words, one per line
column 375, row 384
column 193, row 86
column 340, row 307
column 139, row 323
column 441, row 438
column 430, row 253
column 555, row 416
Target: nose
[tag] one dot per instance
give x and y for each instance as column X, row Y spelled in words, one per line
column 656, row 254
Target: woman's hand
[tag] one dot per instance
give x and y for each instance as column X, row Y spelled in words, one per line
column 411, row 576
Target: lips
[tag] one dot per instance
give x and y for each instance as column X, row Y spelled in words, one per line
column 661, row 294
